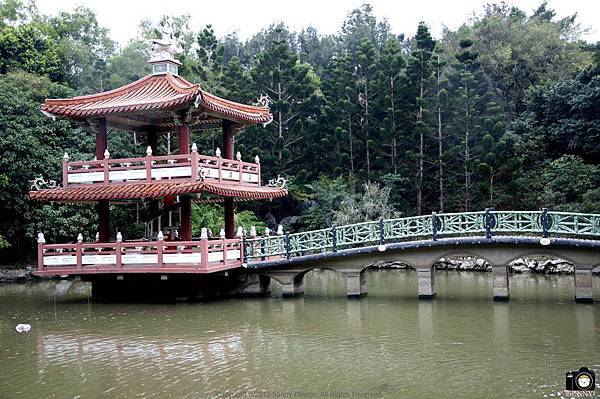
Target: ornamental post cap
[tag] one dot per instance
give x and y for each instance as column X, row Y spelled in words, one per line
column 106, row 153
column 97, row 236
column 149, row 151
column 238, row 156
column 222, row 233
column 160, row 236
column 66, row 157
column 252, row 231
column 119, row 236
column 218, row 152
column 41, row 239
column 204, row 233
column 80, row 238
column 280, row 230
column 257, row 159
column 194, row 147
column 240, row 232
column 267, row 231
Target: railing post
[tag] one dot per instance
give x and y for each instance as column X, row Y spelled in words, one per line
column 65, row 170
column 381, row 232
column 78, row 250
column 160, row 250
column 287, row 246
column 434, row 226
column 148, row 163
column 105, row 166
column 334, row 238
column 194, row 162
column 244, row 251
column 224, row 252
column 204, row 253
column 487, row 222
column 545, row 223
column 257, row 161
column 41, row 242
column 118, row 249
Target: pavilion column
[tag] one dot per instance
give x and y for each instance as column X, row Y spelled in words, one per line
column 186, row 202
column 99, row 126
column 228, row 203
column 152, row 141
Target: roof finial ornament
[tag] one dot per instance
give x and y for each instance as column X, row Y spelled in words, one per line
column 263, row 101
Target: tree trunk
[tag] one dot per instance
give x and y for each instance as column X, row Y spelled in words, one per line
column 280, row 120
column 392, row 103
column 351, row 148
column 440, row 162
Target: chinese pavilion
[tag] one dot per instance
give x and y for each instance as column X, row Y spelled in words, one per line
column 158, row 103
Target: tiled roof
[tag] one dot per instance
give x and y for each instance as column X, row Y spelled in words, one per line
column 154, row 190
column 153, row 92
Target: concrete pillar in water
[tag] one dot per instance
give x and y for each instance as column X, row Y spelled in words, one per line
column 292, row 283
column 500, row 282
column 426, row 281
column 583, row 284
column 256, row 285
column 356, row 284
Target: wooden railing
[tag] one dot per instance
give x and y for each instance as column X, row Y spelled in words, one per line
column 202, row 256
column 184, row 167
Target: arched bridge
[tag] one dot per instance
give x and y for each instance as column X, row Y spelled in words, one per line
column 496, row 236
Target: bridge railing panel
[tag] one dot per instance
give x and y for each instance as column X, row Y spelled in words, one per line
column 359, row 233
column 580, row 224
column 417, row 226
column 310, row 242
column 460, row 223
column 517, row 222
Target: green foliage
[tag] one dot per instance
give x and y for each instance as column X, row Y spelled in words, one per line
column 371, row 204
column 501, row 112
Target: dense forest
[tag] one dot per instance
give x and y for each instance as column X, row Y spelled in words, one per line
column 502, row 112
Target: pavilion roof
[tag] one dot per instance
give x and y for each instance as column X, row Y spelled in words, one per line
column 153, row 101
column 92, row 193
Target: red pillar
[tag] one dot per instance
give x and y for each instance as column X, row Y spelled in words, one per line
column 228, row 154
column 152, row 141
column 103, row 206
column 186, row 202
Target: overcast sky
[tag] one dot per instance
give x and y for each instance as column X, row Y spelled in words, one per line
column 246, row 17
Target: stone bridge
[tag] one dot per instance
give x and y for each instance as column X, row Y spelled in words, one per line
column 419, row 242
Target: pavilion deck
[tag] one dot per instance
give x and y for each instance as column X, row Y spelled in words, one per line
column 160, row 169
column 201, row 256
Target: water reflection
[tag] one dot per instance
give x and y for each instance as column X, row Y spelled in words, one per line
column 389, row 344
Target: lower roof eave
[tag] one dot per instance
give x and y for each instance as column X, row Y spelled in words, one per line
column 155, row 190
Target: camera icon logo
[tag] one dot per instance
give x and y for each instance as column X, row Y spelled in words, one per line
column 582, row 380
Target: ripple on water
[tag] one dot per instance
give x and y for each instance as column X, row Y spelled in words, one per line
column 459, row 345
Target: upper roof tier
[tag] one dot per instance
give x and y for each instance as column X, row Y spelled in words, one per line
column 153, row 101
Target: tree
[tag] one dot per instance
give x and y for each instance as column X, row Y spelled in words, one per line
column 293, row 88
column 371, row 204
column 419, row 80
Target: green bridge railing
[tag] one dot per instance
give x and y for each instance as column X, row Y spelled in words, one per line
column 488, row 223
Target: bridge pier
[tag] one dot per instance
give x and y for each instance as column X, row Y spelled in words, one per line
column 426, row 281
column 500, row 282
column 255, row 285
column 584, row 292
column 356, row 284
column 292, row 284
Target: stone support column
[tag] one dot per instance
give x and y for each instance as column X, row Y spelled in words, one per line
column 292, row 283
column 584, row 292
column 426, row 281
column 500, row 282
column 356, row 284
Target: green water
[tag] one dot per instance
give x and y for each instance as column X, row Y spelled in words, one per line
column 390, row 344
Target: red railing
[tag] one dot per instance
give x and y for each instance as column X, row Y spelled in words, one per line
column 150, row 168
column 202, row 256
